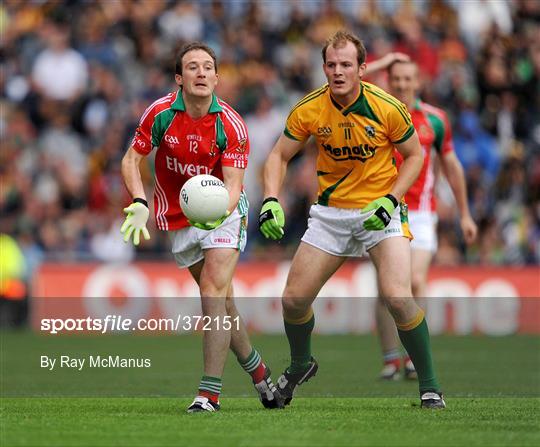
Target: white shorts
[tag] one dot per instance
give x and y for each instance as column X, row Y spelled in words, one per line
column 423, row 225
column 188, row 243
column 339, row 231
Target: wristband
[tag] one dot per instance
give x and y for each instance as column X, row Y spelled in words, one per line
column 270, row 199
column 392, row 199
column 139, row 200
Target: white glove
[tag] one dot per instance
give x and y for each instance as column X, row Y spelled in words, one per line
column 137, row 216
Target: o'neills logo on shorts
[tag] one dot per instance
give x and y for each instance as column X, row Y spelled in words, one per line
column 212, row 183
column 222, row 240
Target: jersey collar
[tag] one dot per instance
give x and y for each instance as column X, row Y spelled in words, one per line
column 360, row 106
column 345, row 109
column 178, row 103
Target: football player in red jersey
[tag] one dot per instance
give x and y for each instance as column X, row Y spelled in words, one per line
column 194, row 132
column 433, row 128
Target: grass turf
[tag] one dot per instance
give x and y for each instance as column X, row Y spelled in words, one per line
column 492, row 387
column 308, row 422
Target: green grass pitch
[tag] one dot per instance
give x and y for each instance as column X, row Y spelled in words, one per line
column 492, row 388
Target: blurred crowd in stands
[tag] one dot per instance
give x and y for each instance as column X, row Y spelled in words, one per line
column 76, row 76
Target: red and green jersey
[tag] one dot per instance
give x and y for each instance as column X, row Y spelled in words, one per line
column 186, row 147
column 433, row 129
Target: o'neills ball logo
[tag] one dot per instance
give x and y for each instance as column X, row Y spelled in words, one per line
column 205, row 183
column 184, row 196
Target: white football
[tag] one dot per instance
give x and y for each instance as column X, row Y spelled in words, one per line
column 204, row 198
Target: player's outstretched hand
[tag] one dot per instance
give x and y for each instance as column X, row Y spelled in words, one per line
column 135, row 223
column 384, row 207
column 271, row 219
column 208, row 226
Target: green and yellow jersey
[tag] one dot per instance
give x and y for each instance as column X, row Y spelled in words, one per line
column 356, row 162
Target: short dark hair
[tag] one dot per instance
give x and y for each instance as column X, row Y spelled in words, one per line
column 393, row 64
column 190, row 47
column 340, row 39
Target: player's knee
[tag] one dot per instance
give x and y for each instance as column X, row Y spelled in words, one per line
column 294, row 305
column 397, row 304
column 417, row 290
column 417, row 283
column 396, row 289
column 212, row 289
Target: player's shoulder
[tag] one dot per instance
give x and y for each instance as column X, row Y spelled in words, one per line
column 433, row 110
column 227, row 111
column 372, row 89
column 158, row 106
column 311, row 100
column 232, row 120
column 436, row 116
column 163, row 103
column 378, row 97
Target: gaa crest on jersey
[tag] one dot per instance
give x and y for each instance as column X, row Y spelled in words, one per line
column 242, row 145
column 324, row 131
column 213, row 149
column 172, row 140
column 370, row 131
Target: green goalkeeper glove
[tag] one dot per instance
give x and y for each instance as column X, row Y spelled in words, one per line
column 208, row 226
column 384, row 207
column 271, row 219
column 135, row 223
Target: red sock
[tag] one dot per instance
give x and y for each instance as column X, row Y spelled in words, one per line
column 210, row 396
column 394, row 362
column 258, row 373
column 406, row 359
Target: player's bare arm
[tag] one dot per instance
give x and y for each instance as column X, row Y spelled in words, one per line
column 456, row 178
column 384, row 62
column 233, row 179
column 272, row 217
column 275, row 167
column 413, row 159
column 137, row 213
column 131, row 173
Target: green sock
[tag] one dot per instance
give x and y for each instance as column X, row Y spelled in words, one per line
column 416, row 342
column 299, row 336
